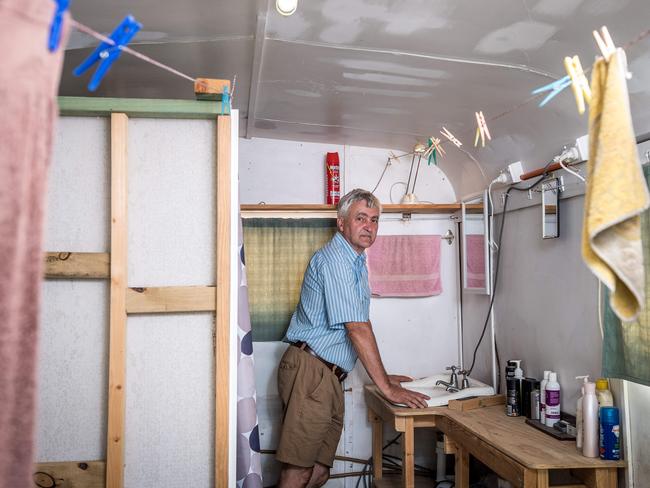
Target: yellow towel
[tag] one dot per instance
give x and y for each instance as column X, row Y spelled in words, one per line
column 616, row 191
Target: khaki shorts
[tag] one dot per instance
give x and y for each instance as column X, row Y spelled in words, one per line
column 313, row 407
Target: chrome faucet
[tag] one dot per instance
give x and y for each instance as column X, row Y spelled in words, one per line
column 452, row 384
column 465, row 383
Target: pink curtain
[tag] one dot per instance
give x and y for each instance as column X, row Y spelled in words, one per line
column 29, row 80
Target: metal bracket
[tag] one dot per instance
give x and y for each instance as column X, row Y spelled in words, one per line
column 449, row 237
column 406, row 216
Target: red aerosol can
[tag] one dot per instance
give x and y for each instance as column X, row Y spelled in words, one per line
column 332, row 166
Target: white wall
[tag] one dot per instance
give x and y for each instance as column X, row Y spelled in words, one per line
column 415, row 336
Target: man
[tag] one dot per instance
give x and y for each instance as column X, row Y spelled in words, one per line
column 328, row 331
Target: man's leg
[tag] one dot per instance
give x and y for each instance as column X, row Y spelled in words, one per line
column 294, row 476
column 319, row 476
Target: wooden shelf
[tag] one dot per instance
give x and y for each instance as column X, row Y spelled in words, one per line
column 419, row 208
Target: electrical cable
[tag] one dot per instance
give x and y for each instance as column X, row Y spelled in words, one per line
column 498, row 258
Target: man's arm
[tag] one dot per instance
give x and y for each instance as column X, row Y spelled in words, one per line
column 364, row 342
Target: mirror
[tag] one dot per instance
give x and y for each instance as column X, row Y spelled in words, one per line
column 551, row 208
column 476, row 245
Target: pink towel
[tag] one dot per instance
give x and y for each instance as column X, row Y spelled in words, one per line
column 475, row 261
column 29, row 79
column 405, row 266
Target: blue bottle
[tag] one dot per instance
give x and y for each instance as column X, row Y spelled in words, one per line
column 610, row 434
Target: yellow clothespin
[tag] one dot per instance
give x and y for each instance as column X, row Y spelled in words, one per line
column 481, row 130
column 579, row 83
column 450, row 136
column 605, row 43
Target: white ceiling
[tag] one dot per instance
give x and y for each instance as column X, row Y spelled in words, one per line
column 377, row 73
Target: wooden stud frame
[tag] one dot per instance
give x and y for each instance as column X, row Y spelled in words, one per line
column 124, row 300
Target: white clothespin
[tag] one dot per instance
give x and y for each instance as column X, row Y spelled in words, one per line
column 579, row 83
column 451, row 137
column 607, row 48
column 605, row 43
column 481, row 130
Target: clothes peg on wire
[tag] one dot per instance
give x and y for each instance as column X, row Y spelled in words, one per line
column 107, row 53
column 579, row 83
column 445, row 132
column 605, row 43
column 225, row 100
column 433, row 150
column 555, row 88
column 57, row 24
column 481, row 130
column 607, row 47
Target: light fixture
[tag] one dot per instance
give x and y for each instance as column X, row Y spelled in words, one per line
column 286, row 7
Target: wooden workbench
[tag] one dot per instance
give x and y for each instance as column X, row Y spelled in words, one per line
column 515, row 451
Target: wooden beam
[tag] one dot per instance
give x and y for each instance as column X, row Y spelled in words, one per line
column 117, row 332
column 74, row 474
column 139, row 107
column 169, row 299
column 210, row 89
column 81, row 265
column 222, row 305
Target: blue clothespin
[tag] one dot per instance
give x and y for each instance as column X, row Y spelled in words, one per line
column 225, row 99
column 106, row 53
column 55, row 27
column 555, row 87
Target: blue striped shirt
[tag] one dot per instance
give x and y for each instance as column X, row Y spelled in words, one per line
column 334, row 291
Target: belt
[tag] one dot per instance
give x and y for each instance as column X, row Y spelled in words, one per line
column 337, row 370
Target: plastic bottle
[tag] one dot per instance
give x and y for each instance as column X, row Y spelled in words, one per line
column 590, row 421
column 604, row 395
column 585, row 379
column 542, row 397
column 610, row 439
column 552, row 410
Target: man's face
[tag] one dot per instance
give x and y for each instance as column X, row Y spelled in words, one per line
column 360, row 226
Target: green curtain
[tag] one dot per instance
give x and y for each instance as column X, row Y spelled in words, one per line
column 626, row 346
column 277, row 254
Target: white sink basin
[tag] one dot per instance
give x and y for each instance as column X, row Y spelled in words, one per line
column 439, row 396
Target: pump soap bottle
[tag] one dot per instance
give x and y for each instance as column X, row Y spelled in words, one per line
column 585, row 379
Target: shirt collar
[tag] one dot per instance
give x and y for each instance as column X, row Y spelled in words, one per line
column 347, row 250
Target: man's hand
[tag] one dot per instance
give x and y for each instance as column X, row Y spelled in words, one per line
column 412, row 399
column 396, row 379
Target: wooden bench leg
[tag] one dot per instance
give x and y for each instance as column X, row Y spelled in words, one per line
column 408, row 463
column 377, row 444
column 462, row 467
column 534, row 478
column 597, row 477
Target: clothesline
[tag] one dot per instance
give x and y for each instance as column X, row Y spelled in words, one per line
column 87, row 30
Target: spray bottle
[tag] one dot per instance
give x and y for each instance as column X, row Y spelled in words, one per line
column 585, row 379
